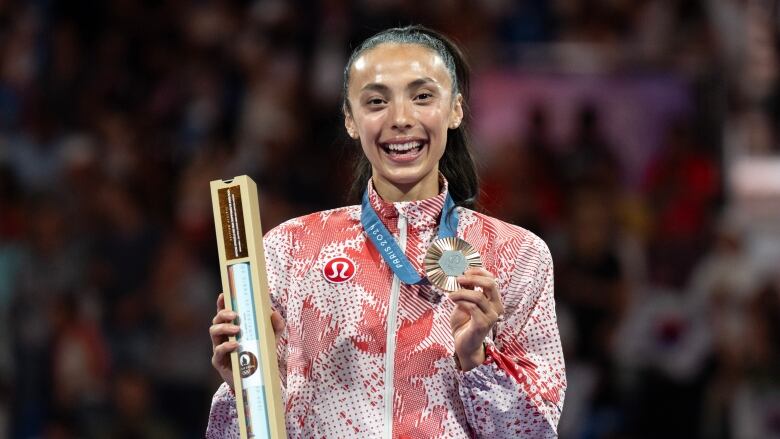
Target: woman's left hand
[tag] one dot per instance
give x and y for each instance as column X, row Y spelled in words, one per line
column 474, row 315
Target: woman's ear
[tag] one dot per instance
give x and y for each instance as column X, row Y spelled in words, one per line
column 456, row 115
column 349, row 123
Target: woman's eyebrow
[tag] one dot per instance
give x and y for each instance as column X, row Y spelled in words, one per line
column 375, row 87
column 422, row 81
column 382, row 88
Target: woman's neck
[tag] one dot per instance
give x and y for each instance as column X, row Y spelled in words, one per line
column 426, row 188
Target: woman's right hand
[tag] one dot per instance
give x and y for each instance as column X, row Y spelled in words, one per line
column 222, row 327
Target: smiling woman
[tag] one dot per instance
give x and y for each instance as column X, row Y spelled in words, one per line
column 440, row 76
column 368, row 346
column 400, row 103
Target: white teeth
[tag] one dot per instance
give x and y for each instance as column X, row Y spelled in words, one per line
column 403, row 146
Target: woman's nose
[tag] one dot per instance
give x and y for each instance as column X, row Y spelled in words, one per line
column 402, row 116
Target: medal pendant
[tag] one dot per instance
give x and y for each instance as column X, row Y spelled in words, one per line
column 448, row 258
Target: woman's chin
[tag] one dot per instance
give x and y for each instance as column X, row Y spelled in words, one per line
column 407, row 179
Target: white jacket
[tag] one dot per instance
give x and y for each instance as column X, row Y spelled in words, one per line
column 345, row 374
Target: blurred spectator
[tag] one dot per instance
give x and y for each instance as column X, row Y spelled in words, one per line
column 590, row 156
column 524, row 186
column 756, row 408
column 80, row 360
column 181, row 296
column 663, row 348
column 592, row 292
column 135, row 414
column 50, row 267
column 593, row 283
column 682, row 188
column 122, row 259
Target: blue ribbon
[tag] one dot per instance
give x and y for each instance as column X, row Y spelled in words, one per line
column 388, row 247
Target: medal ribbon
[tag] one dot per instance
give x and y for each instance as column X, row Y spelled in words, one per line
column 388, row 247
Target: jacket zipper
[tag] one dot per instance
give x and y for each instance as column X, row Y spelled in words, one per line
column 395, row 291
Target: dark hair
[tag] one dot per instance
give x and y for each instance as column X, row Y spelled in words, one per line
column 457, row 163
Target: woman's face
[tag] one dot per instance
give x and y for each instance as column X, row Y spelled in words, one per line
column 401, row 102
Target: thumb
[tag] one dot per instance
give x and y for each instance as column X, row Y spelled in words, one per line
column 278, row 323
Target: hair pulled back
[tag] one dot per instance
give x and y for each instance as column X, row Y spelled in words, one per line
column 457, row 163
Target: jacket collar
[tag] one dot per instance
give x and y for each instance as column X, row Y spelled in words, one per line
column 421, row 214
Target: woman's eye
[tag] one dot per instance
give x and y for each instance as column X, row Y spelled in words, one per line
column 375, row 101
column 423, row 96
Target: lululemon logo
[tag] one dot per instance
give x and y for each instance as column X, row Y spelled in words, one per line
column 338, row 270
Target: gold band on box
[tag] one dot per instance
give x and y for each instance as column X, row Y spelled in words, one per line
column 448, row 258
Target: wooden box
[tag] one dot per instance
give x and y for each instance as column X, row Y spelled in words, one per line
column 242, row 267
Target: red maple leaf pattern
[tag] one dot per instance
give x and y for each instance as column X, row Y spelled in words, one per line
column 371, row 331
column 314, row 336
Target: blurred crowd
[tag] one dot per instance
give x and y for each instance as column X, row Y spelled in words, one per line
column 115, row 115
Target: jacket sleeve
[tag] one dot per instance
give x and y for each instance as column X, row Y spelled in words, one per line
column 518, row 391
column 223, row 417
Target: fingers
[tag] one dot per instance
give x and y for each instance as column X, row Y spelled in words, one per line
column 477, row 320
column 221, row 302
column 479, row 277
column 278, row 323
column 475, row 298
column 222, row 352
column 223, row 316
column 221, row 331
column 483, row 313
column 480, row 271
column 222, row 324
column 485, row 306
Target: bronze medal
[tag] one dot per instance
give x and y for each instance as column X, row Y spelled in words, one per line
column 448, row 258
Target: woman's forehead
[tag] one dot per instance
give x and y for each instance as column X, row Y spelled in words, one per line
column 393, row 62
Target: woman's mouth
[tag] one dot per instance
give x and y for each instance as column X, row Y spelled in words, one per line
column 403, row 152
